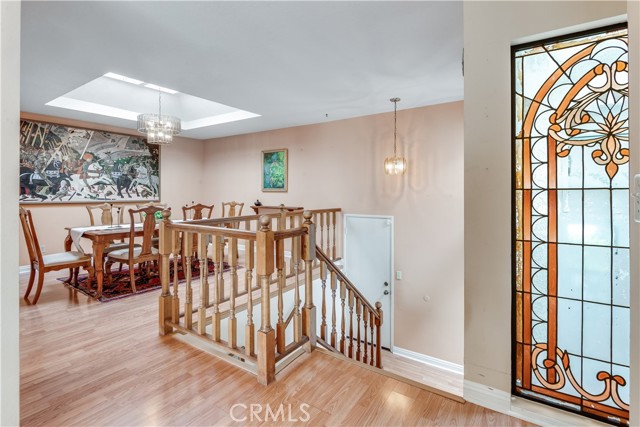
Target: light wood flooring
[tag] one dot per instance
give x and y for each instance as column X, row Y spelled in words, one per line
column 422, row 373
column 86, row 363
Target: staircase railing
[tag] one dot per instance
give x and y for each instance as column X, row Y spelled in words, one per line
column 234, row 314
column 359, row 340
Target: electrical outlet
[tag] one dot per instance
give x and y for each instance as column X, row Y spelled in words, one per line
column 398, row 275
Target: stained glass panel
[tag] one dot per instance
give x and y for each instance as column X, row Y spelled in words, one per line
column 571, row 223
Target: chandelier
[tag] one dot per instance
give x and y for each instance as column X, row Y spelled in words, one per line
column 395, row 165
column 158, row 128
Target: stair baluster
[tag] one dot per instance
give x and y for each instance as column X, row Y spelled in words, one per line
column 202, row 259
column 371, row 326
column 175, row 301
column 350, row 301
column 343, row 295
column 216, row 317
column 334, row 285
column 280, row 326
column 334, row 254
column 297, row 320
column 233, row 262
column 323, row 278
column 365, row 321
column 187, row 250
column 358, row 313
column 250, row 327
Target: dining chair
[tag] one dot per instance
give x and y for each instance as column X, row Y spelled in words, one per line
column 106, row 213
column 50, row 262
column 194, row 212
column 197, row 211
column 105, row 210
column 229, row 209
column 156, row 237
column 145, row 253
column 162, row 206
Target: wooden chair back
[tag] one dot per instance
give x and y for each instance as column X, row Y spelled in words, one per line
column 30, row 236
column 148, row 219
column 105, row 210
column 197, row 211
column 147, row 205
column 230, row 209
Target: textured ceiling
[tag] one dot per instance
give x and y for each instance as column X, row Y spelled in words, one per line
column 294, row 63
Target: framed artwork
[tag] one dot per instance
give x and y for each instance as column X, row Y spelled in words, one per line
column 274, row 170
column 62, row 164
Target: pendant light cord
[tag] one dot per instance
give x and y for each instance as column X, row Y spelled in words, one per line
column 395, row 126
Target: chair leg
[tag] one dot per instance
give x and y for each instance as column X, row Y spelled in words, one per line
column 32, row 276
column 39, row 288
column 70, row 276
column 132, row 277
column 75, row 275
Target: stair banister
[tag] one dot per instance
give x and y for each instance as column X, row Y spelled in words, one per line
column 308, row 255
column 266, row 369
column 165, row 246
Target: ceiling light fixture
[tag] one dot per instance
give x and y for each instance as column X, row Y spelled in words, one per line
column 158, row 128
column 395, row 165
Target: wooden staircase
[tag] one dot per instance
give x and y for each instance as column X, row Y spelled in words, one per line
column 277, row 260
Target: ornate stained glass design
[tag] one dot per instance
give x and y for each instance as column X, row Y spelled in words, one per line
column 571, row 223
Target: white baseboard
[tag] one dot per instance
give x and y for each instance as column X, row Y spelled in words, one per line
column 428, row 360
column 533, row 412
column 24, row 269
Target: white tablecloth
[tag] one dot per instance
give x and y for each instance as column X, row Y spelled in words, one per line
column 77, row 232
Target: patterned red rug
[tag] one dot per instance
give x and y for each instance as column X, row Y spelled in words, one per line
column 121, row 286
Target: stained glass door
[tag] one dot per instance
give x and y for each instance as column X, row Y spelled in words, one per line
column 571, row 223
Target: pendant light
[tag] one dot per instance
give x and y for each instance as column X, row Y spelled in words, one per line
column 395, row 165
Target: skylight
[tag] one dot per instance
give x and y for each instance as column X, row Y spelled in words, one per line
column 115, row 95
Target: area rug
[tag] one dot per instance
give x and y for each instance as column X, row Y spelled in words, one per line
column 121, row 286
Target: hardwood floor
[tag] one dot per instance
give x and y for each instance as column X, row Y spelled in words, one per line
column 422, row 373
column 86, row 363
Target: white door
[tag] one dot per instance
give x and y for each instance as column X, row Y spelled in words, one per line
column 368, row 262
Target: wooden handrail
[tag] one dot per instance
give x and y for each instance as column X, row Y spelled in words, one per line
column 288, row 234
column 255, row 276
column 332, row 267
column 218, row 231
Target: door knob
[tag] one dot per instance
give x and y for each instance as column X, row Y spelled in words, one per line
column 386, row 292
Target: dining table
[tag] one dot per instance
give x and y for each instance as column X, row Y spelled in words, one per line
column 101, row 236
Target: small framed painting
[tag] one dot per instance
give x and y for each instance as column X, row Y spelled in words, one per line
column 274, row 170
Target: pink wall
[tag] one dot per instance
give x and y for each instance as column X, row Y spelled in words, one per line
column 340, row 164
column 181, row 168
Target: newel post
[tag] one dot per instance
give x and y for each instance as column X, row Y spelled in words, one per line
column 308, row 255
column 379, row 321
column 164, row 303
column 266, row 348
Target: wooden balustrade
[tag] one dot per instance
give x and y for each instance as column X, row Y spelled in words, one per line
column 355, row 323
column 277, row 252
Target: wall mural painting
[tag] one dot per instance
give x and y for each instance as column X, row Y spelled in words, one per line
column 62, row 164
column 571, row 223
